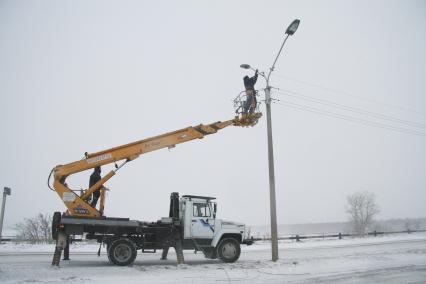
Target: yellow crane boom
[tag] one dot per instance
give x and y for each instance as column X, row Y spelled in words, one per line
column 78, row 205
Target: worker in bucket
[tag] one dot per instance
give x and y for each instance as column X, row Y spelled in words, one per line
column 251, row 102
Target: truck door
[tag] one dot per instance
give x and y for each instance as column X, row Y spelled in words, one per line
column 202, row 221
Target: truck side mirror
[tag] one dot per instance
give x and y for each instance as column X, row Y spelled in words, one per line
column 214, row 210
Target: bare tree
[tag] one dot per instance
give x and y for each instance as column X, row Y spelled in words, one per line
column 361, row 208
column 36, row 229
column 411, row 224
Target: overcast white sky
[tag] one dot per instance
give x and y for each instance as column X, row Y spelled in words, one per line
column 79, row 76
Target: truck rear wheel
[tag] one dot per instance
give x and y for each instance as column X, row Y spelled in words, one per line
column 229, row 250
column 122, row 252
column 56, row 219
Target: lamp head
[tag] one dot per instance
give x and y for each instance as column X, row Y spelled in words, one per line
column 7, row 191
column 293, row 27
column 245, row 66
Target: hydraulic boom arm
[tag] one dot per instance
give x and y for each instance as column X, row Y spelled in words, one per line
column 78, row 205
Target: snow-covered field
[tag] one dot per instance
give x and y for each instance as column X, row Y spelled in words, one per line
column 387, row 259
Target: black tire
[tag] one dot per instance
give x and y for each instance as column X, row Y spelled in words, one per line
column 56, row 219
column 122, row 252
column 229, row 250
column 109, row 258
column 107, row 249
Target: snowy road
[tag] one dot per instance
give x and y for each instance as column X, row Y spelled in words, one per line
column 397, row 259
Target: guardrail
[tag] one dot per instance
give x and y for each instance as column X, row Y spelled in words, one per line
column 340, row 236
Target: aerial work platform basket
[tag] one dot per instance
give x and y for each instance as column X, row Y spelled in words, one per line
column 247, row 109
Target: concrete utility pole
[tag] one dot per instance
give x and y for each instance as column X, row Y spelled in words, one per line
column 272, row 199
column 6, row 192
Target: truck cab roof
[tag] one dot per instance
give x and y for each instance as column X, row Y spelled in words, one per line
column 198, row 197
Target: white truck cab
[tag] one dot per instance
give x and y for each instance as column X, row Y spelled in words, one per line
column 214, row 237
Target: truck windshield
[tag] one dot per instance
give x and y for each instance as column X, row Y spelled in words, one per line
column 201, row 210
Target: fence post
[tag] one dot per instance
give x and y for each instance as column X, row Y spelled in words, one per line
column 340, row 236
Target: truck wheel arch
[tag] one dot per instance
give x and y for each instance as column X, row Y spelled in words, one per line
column 235, row 236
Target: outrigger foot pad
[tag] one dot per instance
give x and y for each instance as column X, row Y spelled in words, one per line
column 179, row 253
column 57, row 256
column 61, row 243
column 164, row 253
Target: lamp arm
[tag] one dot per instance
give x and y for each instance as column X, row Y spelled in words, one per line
column 276, row 58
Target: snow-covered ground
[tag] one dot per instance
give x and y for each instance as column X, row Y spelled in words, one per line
column 390, row 259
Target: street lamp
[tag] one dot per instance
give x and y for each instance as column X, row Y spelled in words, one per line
column 274, row 235
column 6, row 191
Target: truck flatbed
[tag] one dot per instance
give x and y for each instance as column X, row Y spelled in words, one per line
column 191, row 225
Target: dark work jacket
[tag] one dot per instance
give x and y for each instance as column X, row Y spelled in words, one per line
column 250, row 82
column 94, row 178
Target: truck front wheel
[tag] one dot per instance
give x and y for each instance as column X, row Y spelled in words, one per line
column 122, row 252
column 229, row 250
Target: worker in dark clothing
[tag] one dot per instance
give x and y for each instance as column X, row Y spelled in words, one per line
column 251, row 102
column 94, row 178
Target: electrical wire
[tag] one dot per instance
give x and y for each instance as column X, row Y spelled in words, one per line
column 351, row 109
column 349, row 118
column 407, row 109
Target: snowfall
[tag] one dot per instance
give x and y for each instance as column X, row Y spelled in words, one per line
column 386, row 259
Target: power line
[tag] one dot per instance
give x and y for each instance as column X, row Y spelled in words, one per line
column 351, row 109
column 350, row 118
column 340, row 92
